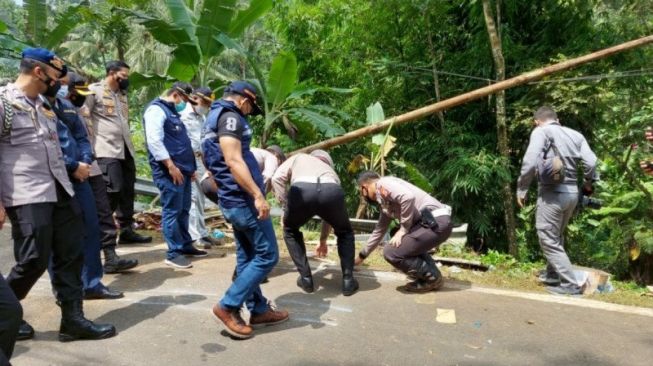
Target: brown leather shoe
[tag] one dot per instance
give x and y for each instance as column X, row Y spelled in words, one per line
column 233, row 323
column 270, row 317
column 420, row 286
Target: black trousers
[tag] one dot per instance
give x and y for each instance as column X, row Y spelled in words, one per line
column 327, row 200
column 108, row 233
column 120, row 177
column 417, row 242
column 10, row 315
column 44, row 230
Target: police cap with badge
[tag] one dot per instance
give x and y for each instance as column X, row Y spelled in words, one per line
column 205, row 93
column 46, row 57
column 246, row 90
column 43, row 56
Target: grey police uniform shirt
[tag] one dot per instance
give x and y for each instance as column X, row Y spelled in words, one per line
column 31, row 161
column 300, row 168
column 400, row 200
column 573, row 149
column 107, row 113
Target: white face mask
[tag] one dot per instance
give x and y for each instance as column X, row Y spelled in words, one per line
column 201, row 110
column 62, row 92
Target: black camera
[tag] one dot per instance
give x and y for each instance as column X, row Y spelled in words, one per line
column 588, row 202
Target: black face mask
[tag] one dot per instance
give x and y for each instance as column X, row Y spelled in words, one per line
column 123, row 84
column 370, row 201
column 51, row 90
column 367, row 199
column 77, row 100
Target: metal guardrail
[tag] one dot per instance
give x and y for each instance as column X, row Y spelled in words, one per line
column 146, row 187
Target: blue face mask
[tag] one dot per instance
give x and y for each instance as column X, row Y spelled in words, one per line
column 180, row 106
column 62, row 92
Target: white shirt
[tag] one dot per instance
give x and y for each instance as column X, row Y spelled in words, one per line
column 194, row 123
column 267, row 163
column 154, row 118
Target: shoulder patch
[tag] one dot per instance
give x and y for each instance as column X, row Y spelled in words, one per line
column 231, row 123
column 48, row 113
column 20, row 106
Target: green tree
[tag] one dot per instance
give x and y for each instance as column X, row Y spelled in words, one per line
column 192, row 33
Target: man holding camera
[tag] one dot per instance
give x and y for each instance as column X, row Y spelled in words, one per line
column 557, row 199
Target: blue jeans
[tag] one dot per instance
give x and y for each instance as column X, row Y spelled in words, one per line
column 175, row 202
column 256, row 254
column 92, row 270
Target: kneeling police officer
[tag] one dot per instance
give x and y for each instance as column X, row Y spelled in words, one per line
column 424, row 222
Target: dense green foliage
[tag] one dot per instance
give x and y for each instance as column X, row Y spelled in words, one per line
column 402, row 54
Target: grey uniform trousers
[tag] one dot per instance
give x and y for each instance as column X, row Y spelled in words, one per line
column 197, row 224
column 552, row 215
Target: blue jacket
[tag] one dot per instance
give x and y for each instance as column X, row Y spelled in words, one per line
column 73, row 138
column 230, row 193
column 175, row 140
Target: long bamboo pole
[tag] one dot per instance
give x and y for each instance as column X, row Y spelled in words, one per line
column 476, row 94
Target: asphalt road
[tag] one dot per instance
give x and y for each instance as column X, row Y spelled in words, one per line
column 165, row 319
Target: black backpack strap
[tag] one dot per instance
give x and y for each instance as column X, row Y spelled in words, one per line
column 548, row 145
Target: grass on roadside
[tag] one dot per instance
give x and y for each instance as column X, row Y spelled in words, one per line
column 506, row 272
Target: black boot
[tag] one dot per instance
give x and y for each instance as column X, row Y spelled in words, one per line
column 349, row 283
column 297, row 249
column 114, row 264
column 75, row 326
column 427, row 275
column 25, row 331
column 129, row 236
column 306, row 283
column 346, row 252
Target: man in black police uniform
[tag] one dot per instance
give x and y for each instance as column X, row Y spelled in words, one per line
column 314, row 190
column 38, row 196
column 78, row 157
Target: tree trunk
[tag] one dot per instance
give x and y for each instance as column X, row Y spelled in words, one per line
column 476, row 94
column 434, row 70
column 120, row 47
column 502, row 129
column 362, row 206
